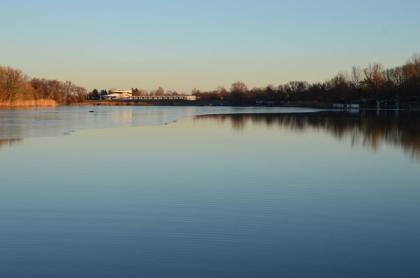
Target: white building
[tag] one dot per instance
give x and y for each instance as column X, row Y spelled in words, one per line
column 119, row 94
column 128, row 95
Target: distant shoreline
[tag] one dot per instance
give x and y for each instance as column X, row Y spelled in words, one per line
column 302, row 104
column 30, row 104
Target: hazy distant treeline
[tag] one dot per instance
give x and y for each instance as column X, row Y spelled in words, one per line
column 17, row 87
column 363, row 85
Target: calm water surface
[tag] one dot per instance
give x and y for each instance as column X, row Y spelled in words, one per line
column 129, row 192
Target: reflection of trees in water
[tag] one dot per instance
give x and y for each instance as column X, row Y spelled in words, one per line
column 9, row 142
column 365, row 129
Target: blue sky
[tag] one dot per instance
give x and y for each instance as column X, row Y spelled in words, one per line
column 185, row 44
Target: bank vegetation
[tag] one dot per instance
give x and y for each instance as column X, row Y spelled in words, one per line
column 370, row 86
column 19, row 90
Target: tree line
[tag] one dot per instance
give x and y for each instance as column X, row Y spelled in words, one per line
column 16, row 86
column 366, row 86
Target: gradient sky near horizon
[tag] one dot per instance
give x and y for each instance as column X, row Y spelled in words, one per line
column 185, row 44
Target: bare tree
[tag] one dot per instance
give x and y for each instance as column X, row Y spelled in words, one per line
column 160, row 92
column 374, row 76
column 239, row 87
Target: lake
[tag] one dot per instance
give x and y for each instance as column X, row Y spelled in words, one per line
column 208, row 192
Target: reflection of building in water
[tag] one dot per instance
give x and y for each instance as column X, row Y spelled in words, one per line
column 122, row 116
